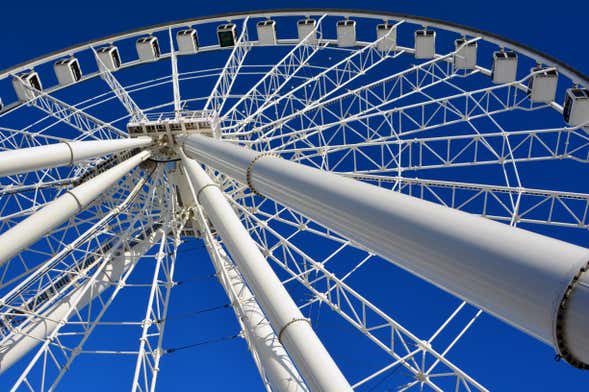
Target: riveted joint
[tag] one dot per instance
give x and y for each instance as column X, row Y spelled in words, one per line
column 71, row 163
column 562, row 345
column 291, row 322
column 250, row 168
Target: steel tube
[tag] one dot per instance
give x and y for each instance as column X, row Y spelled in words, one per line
column 278, row 368
column 294, row 331
column 43, row 221
column 62, row 154
column 19, row 344
column 533, row 282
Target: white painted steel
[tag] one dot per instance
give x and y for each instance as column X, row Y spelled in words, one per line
column 62, row 154
column 577, row 322
column 120, row 92
column 28, row 231
column 304, row 347
column 154, row 323
column 517, row 275
column 542, row 58
column 277, row 366
column 34, row 333
column 250, row 121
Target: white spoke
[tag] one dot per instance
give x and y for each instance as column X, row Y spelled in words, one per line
column 382, row 90
column 390, row 154
column 366, row 185
column 119, row 91
column 175, row 81
column 95, row 285
column 222, row 88
column 151, row 341
column 88, row 125
column 265, row 91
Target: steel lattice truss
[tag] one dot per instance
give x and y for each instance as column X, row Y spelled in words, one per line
column 424, row 127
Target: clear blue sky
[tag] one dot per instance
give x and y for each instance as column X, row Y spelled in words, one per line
column 32, row 28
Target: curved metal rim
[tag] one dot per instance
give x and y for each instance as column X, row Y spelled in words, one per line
column 575, row 75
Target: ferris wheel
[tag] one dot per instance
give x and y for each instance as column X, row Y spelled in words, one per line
column 322, row 158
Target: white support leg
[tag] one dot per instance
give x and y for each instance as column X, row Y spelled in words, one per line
column 28, row 231
column 294, row 331
column 536, row 283
column 275, row 363
column 62, row 154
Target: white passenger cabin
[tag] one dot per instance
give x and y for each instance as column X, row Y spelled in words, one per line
column 266, row 32
column 24, row 83
column 346, row 33
column 466, row 54
column 576, row 107
column 109, row 57
column 504, row 66
column 148, row 48
column 187, row 41
column 390, row 42
column 306, row 27
column 227, row 35
column 68, row 71
column 425, row 44
column 542, row 85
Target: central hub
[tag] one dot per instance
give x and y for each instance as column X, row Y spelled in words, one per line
column 163, row 127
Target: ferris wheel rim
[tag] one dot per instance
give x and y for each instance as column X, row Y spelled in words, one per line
column 239, row 201
column 571, row 72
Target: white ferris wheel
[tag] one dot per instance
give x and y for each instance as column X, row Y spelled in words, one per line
column 321, row 157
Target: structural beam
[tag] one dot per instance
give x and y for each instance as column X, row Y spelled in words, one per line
column 294, row 331
column 117, row 262
column 62, row 154
column 275, row 364
column 135, row 112
column 43, row 221
column 536, row 283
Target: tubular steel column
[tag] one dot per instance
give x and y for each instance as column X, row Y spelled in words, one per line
column 536, row 283
column 294, row 331
column 276, row 365
column 62, row 154
column 64, row 207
